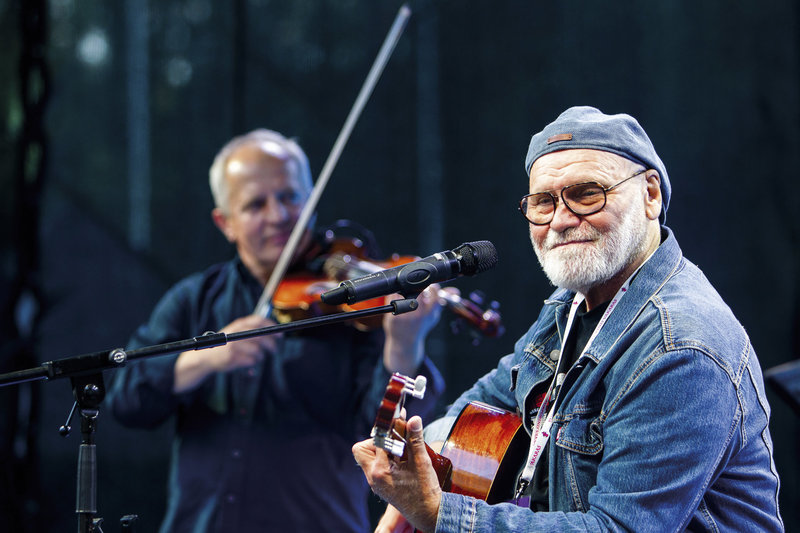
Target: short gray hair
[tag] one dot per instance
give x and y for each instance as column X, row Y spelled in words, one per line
column 219, row 187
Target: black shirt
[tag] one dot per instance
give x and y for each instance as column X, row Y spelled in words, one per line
column 582, row 328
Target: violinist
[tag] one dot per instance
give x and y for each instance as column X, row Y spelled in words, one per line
column 264, row 425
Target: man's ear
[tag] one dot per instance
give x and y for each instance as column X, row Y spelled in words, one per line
column 221, row 221
column 653, row 196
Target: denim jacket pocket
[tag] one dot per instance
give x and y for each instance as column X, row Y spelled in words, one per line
column 582, row 435
column 579, row 444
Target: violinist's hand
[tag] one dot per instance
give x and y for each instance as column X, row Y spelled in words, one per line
column 193, row 366
column 405, row 334
column 410, row 485
column 393, row 522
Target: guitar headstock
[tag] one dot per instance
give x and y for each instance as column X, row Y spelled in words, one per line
column 384, row 435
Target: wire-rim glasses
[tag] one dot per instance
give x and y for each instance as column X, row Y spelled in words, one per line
column 582, row 199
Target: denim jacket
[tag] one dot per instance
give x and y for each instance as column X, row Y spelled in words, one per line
column 662, row 424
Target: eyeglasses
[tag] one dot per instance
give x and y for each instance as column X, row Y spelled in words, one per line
column 580, row 198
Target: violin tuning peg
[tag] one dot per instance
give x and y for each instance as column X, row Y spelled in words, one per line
column 477, row 296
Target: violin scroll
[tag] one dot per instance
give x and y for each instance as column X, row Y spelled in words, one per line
column 483, row 318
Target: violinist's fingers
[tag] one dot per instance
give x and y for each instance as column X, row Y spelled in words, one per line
column 416, row 324
column 248, row 352
column 403, row 350
column 426, row 297
column 430, row 293
column 429, row 301
column 389, row 298
column 452, row 290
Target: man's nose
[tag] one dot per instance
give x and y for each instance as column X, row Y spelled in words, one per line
column 276, row 211
column 563, row 218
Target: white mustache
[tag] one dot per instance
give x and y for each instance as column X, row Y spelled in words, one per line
column 553, row 238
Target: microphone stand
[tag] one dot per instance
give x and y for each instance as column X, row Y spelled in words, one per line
column 86, row 374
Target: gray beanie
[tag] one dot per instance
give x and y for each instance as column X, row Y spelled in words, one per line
column 587, row 127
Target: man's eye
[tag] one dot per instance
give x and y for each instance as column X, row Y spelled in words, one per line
column 541, row 200
column 290, row 198
column 585, row 193
column 255, row 205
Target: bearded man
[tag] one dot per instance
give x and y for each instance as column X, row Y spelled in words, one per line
column 640, row 390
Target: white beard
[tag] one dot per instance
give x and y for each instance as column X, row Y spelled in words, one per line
column 580, row 267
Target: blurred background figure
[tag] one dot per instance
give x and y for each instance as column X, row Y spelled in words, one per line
column 264, row 425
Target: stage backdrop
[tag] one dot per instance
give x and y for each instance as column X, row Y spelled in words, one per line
column 142, row 94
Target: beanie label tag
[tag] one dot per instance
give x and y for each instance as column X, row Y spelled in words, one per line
column 559, row 137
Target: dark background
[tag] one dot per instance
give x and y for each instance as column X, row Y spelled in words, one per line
column 113, row 112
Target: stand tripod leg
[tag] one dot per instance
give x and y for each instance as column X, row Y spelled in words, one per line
column 89, row 391
column 86, row 499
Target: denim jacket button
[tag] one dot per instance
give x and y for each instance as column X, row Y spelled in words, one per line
column 554, row 355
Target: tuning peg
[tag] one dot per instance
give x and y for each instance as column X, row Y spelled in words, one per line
column 478, row 297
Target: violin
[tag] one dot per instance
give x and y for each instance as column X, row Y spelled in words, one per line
column 298, row 294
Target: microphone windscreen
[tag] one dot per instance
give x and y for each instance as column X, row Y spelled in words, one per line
column 477, row 256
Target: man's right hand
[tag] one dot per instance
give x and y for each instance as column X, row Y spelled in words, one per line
column 409, row 484
column 194, row 366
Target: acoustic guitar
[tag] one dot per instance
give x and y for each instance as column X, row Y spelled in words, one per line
column 483, row 454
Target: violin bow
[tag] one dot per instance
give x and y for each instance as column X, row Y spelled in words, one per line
column 264, row 305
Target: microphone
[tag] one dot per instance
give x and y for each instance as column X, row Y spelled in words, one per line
column 410, row 279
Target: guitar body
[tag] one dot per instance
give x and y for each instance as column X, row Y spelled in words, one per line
column 487, row 447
